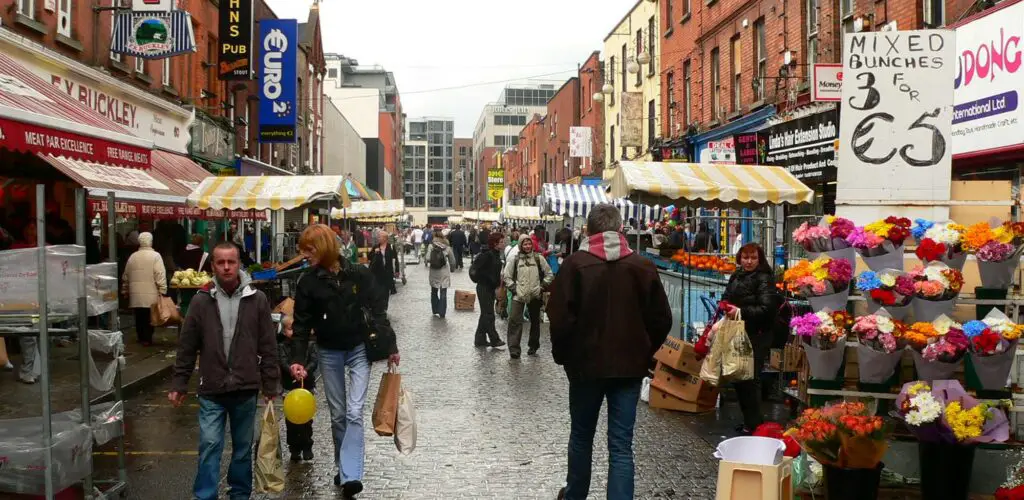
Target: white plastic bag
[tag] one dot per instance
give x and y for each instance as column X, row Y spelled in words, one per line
column 405, row 423
column 110, row 343
column 645, row 390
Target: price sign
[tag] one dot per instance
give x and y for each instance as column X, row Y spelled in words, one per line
column 894, row 133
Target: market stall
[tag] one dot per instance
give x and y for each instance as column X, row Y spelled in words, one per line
column 378, row 212
column 526, row 216
column 482, row 216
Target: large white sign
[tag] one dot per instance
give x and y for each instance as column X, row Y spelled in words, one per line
column 989, row 79
column 894, row 134
column 827, row 84
column 580, row 142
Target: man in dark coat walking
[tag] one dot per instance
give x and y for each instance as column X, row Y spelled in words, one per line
column 457, row 239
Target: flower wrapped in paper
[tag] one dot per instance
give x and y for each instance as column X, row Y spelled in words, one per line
column 889, row 288
column 1013, row 487
column 880, row 243
column 824, row 281
column 842, row 435
column 993, row 345
column 938, row 347
column 998, row 249
column 940, row 241
column 827, row 237
column 823, row 335
column 936, row 287
column 880, row 347
column 943, row 412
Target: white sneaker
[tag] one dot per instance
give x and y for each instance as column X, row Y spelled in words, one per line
column 8, row 366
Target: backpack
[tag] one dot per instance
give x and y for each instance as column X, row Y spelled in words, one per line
column 474, row 269
column 515, row 269
column 437, row 258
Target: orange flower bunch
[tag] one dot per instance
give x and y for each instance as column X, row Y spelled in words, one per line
column 814, row 430
column 861, row 425
column 977, row 235
column 920, row 334
column 724, row 265
column 842, row 319
column 842, row 434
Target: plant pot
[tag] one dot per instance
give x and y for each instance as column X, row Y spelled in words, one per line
column 934, row 370
column 876, row 367
column 835, row 302
column 929, row 310
column 825, row 364
column 888, row 260
column 848, row 253
column 998, row 275
column 898, row 313
column 945, row 470
column 852, row 484
column 993, row 372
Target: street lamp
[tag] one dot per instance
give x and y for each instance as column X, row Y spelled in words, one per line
column 607, row 89
column 643, row 58
column 598, row 97
column 633, row 67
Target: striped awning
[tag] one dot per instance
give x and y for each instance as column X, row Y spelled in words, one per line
column 268, row 192
column 373, row 195
column 481, row 216
column 526, row 214
column 637, row 211
column 574, row 200
column 367, row 209
column 741, row 184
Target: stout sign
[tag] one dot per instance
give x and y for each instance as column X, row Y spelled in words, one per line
column 894, row 135
column 234, row 61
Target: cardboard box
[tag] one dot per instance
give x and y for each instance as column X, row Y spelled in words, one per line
column 737, row 481
column 793, row 356
column 664, row 401
column 685, row 386
column 678, row 355
column 464, row 301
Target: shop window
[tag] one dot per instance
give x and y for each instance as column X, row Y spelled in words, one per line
column 668, row 17
column 670, row 85
column 114, row 56
column 716, row 86
column 639, row 49
column 64, row 18
column 934, row 13
column 651, row 44
column 846, row 15
column 140, row 65
column 687, row 119
column 651, row 121
column 686, row 9
column 623, row 61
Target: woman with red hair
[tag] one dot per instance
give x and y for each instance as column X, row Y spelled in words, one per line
column 486, row 273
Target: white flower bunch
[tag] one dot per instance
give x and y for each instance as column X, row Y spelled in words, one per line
column 934, row 273
column 884, row 324
column 925, row 409
column 943, row 324
column 942, row 233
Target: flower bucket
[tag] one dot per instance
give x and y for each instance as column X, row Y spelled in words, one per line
column 825, row 364
column 957, row 261
column 848, row 253
column 898, row 313
column 876, row 367
column 929, row 310
column 852, row 484
column 888, row 260
column 946, row 470
column 834, row 302
column 994, row 371
column 934, row 370
column 998, row 275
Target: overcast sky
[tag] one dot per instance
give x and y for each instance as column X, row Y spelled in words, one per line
column 463, row 43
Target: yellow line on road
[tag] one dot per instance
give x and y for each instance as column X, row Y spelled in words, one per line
column 147, row 453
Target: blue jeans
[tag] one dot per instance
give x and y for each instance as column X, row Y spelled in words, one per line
column 585, row 400
column 439, row 301
column 213, row 415
column 346, row 407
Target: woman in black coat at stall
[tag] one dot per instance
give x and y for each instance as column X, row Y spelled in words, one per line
column 751, row 294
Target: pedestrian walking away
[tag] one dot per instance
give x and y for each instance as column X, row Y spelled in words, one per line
column 330, row 300
column 144, row 282
column 526, row 276
column 441, row 261
column 605, row 342
column 458, row 240
column 230, row 329
column 299, row 437
column 384, row 263
column 486, row 273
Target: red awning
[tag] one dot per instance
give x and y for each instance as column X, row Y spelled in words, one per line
column 36, row 117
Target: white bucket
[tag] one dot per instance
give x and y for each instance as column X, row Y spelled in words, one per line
column 751, row 450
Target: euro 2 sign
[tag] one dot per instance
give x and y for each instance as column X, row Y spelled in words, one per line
column 277, row 80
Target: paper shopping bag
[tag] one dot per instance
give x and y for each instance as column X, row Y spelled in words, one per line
column 405, row 424
column 711, row 367
column 385, row 409
column 269, row 470
column 737, row 351
column 164, row 312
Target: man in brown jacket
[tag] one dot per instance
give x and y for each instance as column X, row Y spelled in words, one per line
column 229, row 326
column 609, row 314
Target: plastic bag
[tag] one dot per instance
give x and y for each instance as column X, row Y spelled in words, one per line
column 109, row 343
column 405, row 423
column 645, row 390
column 737, row 358
column 19, row 279
column 23, row 469
column 106, row 420
column 269, row 470
column 101, row 288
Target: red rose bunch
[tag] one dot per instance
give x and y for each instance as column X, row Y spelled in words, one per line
column 900, row 230
column 986, row 343
column 884, row 297
column 929, row 250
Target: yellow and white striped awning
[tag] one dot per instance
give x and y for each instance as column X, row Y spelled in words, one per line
column 481, row 216
column 370, row 209
column 742, row 184
column 526, row 213
column 271, row 192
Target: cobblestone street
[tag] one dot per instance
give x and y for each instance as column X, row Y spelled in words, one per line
column 489, row 427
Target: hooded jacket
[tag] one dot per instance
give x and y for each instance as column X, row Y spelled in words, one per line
column 533, row 275
column 608, row 311
column 441, row 278
column 250, row 362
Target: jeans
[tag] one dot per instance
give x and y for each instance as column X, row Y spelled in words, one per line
column 29, row 347
column 143, row 328
column 486, row 333
column 439, row 301
column 346, row 407
column 458, row 257
column 585, row 400
column 515, row 326
column 213, row 415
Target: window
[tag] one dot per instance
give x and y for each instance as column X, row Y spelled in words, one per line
column 737, row 75
column 624, row 67
column 611, row 79
column 846, row 14
column 760, row 60
column 462, row 151
column 114, row 56
column 64, row 18
column 639, row 49
column 716, row 86
column 140, row 65
column 812, row 33
column 687, row 119
column 651, row 44
column 934, row 13
column 668, row 17
column 332, row 73
column 27, row 8
column 165, row 73
column 651, row 122
column 686, row 9
column 670, row 86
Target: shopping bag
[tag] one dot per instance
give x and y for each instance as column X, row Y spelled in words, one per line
column 405, row 423
column 4, row 359
column 711, row 367
column 385, row 409
column 269, row 470
column 164, row 312
column 737, row 351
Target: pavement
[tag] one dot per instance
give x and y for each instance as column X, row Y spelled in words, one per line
column 488, row 426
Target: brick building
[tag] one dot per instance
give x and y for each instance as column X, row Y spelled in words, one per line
column 563, row 113
column 591, row 113
column 533, row 158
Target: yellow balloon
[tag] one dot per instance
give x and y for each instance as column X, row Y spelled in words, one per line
column 299, row 406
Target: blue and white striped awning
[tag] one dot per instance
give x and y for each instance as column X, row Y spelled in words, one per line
column 574, row 200
column 637, row 211
column 153, row 35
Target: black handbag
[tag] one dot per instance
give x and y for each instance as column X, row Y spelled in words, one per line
column 380, row 337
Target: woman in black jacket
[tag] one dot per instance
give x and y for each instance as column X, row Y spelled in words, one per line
column 486, row 272
column 751, row 294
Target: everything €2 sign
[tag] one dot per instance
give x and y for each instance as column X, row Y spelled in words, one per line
column 894, row 134
column 277, row 80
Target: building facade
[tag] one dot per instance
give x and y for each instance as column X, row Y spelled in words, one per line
column 463, row 162
column 344, row 149
column 438, row 134
column 632, row 52
column 562, row 113
column 591, row 115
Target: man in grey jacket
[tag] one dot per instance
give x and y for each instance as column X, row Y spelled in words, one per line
column 229, row 326
column 526, row 275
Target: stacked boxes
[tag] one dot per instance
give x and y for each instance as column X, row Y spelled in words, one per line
column 677, row 384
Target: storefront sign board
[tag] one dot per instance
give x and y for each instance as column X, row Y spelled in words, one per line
column 235, row 50
column 277, row 80
column 580, row 142
column 137, row 209
column 894, row 135
column 721, row 151
column 748, row 148
column 153, row 35
column 827, row 83
column 806, row 146
column 631, row 107
column 18, row 136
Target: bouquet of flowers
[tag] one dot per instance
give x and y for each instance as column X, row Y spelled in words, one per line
column 842, row 435
column 823, row 334
column 827, row 236
column 998, row 251
column 993, row 344
column 940, row 241
column 821, row 277
column 880, row 243
column 1013, row 488
column 880, row 349
column 936, row 285
column 944, row 413
column 888, row 288
column 937, row 347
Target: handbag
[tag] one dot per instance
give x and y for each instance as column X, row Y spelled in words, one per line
column 737, row 361
column 380, row 337
column 405, row 423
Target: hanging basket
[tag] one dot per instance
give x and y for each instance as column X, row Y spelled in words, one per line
column 876, row 367
column 994, row 371
column 825, row 364
column 929, row 310
column 934, row 370
column 834, row 302
column 998, row 275
column 888, row 260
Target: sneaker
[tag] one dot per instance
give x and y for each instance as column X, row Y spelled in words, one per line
column 351, row 489
column 307, row 454
column 8, row 366
column 531, row 352
column 27, row 380
column 500, row 344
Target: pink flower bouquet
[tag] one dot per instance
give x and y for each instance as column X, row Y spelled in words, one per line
column 880, row 347
column 827, row 236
